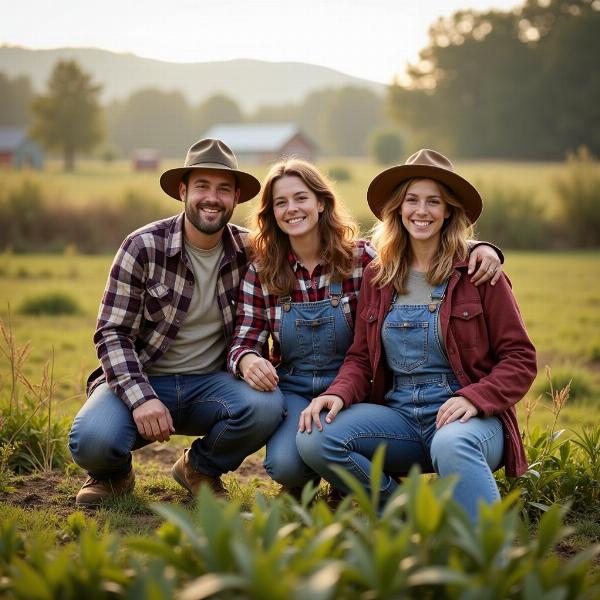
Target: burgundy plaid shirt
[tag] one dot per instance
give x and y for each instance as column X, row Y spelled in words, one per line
column 147, row 296
column 259, row 313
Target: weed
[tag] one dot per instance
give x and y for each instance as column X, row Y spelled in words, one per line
column 579, row 381
column 579, row 191
column 595, row 353
column 51, row 303
column 7, row 449
column 28, row 422
column 339, row 173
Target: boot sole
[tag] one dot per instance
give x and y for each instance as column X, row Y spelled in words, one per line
column 180, row 480
column 98, row 502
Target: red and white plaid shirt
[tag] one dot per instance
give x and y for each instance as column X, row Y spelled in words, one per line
column 147, row 296
column 259, row 313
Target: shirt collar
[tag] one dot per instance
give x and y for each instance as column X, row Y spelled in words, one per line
column 232, row 244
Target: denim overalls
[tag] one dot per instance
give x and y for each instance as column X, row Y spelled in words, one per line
column 314, row 338
column 422, row 381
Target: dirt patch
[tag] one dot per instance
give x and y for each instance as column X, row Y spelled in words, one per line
column 56, row 490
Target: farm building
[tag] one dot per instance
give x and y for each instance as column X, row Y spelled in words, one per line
column 18, row 150
column 264, row 142
column 145, row 159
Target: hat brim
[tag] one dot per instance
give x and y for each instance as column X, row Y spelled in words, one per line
column 383, row 186
column 248, row 184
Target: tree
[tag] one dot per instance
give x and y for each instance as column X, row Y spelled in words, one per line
column 349, row 116
column 387, row 146
column 16, row 97
column 520, row 84
column 152, row 118
column 68, row 115
column 218, row 108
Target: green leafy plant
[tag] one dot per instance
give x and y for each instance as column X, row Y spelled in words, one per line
column 561, row 470
column 51, row 303
column 7, row 449
column 339, row 173
column 36, row 437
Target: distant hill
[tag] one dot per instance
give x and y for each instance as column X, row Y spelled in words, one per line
column 249, row 82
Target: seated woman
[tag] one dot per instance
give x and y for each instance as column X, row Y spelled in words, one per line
column 443, row 361
column 301, row 291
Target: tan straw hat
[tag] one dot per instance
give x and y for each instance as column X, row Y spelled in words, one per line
column 210, row 154
column 431, row 165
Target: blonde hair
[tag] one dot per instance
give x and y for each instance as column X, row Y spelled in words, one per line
column 270, row 246
column 392, row 240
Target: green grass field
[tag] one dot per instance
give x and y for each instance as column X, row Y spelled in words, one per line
column 559, row 295
column 96, row 181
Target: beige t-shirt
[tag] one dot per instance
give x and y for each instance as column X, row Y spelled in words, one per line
column 199, row 347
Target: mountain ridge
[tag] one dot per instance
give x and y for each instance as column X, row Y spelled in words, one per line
column 249, row 82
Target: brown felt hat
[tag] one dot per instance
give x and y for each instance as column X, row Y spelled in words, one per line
column 210, row 154
column 431, row 165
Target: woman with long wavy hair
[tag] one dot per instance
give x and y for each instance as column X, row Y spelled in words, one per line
column 441, row 361
column 300, row 292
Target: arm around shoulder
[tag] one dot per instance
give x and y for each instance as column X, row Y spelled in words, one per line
column 515, row 365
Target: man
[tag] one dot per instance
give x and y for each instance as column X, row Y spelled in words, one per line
column 166, row 318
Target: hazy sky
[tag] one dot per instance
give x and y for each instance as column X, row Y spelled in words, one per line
column 367, row 38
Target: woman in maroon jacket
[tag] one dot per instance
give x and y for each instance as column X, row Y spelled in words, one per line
column 440, row 361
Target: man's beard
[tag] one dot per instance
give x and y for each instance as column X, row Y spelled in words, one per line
column 194, row 216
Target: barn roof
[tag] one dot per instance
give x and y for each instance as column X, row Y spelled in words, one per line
column 254, row 137
column 12, row 137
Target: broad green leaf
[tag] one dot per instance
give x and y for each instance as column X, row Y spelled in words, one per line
column 211, row 584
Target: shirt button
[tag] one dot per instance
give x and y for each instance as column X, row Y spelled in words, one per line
column 177, row 321
column 163, row 347
column 465, row 314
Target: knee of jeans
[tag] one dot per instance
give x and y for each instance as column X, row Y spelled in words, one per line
column 448, row 445
column 310, row 447
column 93, row 447
column 289, row 470
column 265, row 409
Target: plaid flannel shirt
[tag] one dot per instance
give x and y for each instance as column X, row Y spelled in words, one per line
column 147, row 296
column 259, row 313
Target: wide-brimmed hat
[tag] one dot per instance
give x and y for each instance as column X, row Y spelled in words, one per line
column 210, row 154
column 431, row 165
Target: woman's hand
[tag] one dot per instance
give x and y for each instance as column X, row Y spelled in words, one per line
column 456, row 407
column 490, row 266
column 313, row 411
column 258, row 372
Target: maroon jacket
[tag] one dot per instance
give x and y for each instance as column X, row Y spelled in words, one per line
column 486, row 343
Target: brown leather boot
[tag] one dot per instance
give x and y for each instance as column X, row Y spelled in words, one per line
column 294, row 492
column 94, row 491
column 186, row 476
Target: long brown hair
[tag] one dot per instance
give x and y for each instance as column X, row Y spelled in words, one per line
column 270, row 246
column 392, row 241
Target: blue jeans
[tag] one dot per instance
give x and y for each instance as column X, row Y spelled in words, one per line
column 282, row 462
column 233, row 419
column 406, row 426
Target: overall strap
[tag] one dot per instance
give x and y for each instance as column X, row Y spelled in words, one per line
column 335, row 292
column 437, row 295
column 286, row 302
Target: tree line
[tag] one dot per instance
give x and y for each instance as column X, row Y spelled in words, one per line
column 523, row 84
column 68, row 116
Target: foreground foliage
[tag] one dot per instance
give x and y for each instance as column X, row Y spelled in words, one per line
column 421, row 545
